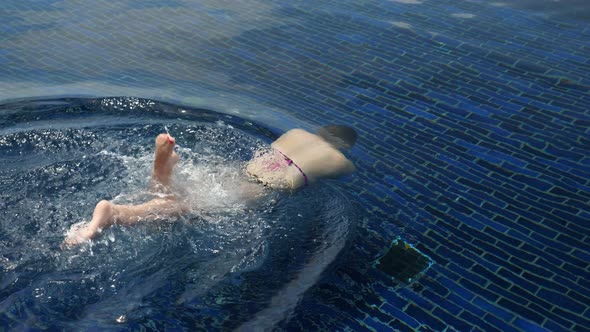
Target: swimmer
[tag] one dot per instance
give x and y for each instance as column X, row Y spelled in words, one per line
column 299, row 158
column 296, row 159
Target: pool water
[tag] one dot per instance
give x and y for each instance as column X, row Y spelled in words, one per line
column 211, row 268
column 472, row 160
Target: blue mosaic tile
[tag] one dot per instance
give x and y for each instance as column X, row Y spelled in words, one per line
column 457, row 289
column 398, row 325
column 501, row 325
column 451, row 320
column 528, row 326
column 375, row 324
column 478, row 321
column 522, row 282
column 552, row 326
column 557, row 322
column 416, row 298
column 561, row 300
column 424, row 317
column 403, row 316
column 484, row 292
column 578, row 320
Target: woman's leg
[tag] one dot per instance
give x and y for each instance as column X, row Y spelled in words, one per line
column 154, row 209
column 106, row 213
column 101, row 218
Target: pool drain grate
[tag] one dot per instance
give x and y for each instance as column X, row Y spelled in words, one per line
column 403, row 261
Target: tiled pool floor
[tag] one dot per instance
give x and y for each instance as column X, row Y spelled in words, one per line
column 473, row 120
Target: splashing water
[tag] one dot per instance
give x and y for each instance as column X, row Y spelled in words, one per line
column 221, row 265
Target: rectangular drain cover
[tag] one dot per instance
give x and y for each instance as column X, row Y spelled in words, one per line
column 403, row 261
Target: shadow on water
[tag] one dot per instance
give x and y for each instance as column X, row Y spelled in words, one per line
column 226, row 264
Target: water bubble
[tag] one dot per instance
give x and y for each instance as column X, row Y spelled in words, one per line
column 39, row 292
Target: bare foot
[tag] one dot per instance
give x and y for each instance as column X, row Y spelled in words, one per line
column 102, row 217
column 165, row 158
column 79, row 233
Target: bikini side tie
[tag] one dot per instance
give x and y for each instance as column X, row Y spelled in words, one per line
column 290, row 162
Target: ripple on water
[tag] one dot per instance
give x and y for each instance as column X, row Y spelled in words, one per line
column 229, row 263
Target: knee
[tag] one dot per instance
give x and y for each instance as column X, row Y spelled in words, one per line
column 104, row 206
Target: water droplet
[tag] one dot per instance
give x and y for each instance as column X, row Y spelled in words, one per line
column 38, row 292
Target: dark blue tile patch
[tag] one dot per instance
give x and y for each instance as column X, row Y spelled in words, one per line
column 562, row 301
column 528, row 326
column 404, row 317
column 503, row 326
column 376, row 324
column 424, row 317
column 416, row 298
column 451, row 320
column 522, row 282
column 478, row 323
column 493, row 309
